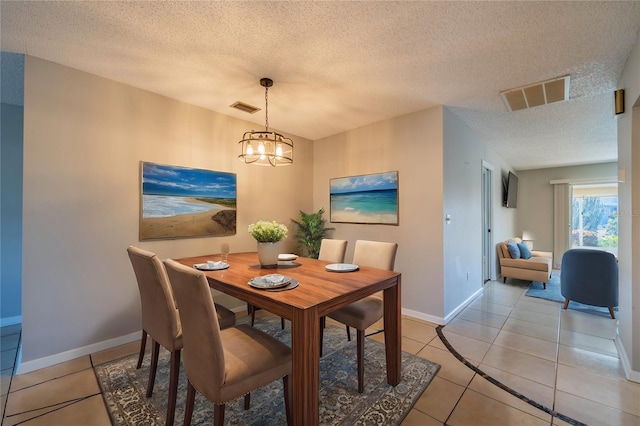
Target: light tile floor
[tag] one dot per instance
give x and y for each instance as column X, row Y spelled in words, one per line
column 564, row 360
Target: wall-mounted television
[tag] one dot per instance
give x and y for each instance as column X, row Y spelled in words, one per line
column 511, row 191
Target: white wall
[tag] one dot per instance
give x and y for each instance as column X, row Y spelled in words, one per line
column 84, row 138
column 535, row 200
column 629, row 217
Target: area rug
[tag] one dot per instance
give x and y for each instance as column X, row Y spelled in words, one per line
column 552, row 292
column 340, row 403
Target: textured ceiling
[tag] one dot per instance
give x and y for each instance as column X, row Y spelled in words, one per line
column 341, row 65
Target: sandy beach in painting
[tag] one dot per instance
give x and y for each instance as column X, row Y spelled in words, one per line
column 358, row 217
column 218, row 220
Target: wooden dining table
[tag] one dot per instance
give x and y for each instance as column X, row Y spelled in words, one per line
column 319, row 292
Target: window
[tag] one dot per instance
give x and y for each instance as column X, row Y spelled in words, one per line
column 594, row 217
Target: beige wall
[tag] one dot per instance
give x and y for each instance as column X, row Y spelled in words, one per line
column 412, row 145
column 535, row 200
column 438, row 159
column 83, row 141
column 629, row 218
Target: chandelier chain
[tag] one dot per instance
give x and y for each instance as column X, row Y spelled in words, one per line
column 266, row 109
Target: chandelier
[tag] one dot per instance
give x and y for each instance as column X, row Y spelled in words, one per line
column 266, row 148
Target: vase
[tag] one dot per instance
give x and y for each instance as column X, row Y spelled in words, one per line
column 268, row 254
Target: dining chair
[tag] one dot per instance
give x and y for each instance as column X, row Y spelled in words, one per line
column 161, row 321
column 332, row 251
column 222, row 364
column 365, row 312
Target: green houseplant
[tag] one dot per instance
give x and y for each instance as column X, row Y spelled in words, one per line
column 268, row 234
column 310, row 232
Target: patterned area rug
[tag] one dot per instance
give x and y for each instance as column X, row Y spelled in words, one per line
column 340, row 403
column 552, row 292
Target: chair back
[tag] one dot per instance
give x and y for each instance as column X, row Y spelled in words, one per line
column 204, row 360
column 332, row 250
column 590, row 277
column 376, row 254
column 159, row 312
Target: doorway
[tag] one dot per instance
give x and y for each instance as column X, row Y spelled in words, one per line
column 487, row 222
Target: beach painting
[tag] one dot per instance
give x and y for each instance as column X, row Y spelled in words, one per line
column 182, row 202
column 369, row 198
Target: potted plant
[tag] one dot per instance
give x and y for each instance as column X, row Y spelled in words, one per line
column 268, row 234
column 311, row 231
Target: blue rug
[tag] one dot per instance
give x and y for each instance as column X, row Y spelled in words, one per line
column 552, row 292
column 340, row 403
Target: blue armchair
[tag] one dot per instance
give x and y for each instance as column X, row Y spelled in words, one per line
column 590, row 277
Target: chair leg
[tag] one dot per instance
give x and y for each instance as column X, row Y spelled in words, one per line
column 251, row 310
column 282, row 322
column 323, row 323
column 143, row 346
column 360, row 347
column 287, row 399
column 174, row 372
column 218, row 415
column 613, row 316
column 188, row 409
column 247, row 401
column 544, row 286
column 348, row 333
column 155, row 349
column 504, row 280
column 566, row 304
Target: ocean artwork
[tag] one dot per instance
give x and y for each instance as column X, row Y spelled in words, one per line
column 183, row 202
column 365, row 199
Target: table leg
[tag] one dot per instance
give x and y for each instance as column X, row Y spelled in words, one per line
column 305, row 345
column 393, row 333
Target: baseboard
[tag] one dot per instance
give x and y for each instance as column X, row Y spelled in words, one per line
column 422, row 316
column 48, row 361
column 460, row 307
column 10, row 320
column 630, row 374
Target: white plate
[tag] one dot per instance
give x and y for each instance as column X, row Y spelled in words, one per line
column 270, row 281
column 287, row 256
column 341, row 267
column 217, row 266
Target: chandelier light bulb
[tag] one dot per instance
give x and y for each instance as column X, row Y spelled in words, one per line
column 249, row 149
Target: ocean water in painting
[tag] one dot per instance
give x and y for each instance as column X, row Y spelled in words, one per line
column 367, row 202
column 166, row 206
column 365, row 199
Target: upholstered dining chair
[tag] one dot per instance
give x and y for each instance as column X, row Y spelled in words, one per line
column 222, row 364
column 160, row 319
column 363, row 313
column 332, row 250
column 591, row 277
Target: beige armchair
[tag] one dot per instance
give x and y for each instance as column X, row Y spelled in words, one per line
column 537, row 268
column 222, row 364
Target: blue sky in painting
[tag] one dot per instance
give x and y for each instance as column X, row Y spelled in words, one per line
column 374, row 182
column 160, row 179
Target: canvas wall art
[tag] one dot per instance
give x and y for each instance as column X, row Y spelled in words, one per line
column 183, row 202
column 369, row 198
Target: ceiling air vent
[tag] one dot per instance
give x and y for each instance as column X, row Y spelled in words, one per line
column 546, row 92
column 244, row 107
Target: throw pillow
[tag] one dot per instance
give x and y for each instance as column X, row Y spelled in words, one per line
column 525, row 253
column 514, row 251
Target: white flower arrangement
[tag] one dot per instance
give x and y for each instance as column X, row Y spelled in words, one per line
column 268, row 231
